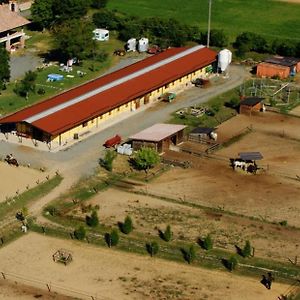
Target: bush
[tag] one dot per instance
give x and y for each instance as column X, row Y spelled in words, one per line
column 127, row 226
column 80, row 233
column 233, row 103
column 231, row 263
column 152, row 248
column 146, row 158
column 52, row 210
column 41, row 91
column 247, row 250
column 189, row 254
column 112, row 239
column 167, row 235
column 92, row 220
column 208, row 242
column 107, row 161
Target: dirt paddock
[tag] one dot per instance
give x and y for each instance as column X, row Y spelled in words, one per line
column 16, row 179
column 117, row 275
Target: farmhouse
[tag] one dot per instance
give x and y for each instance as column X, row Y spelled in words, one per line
column 75, row 112
column 278, row 66
column 9, row 21
column 251, row 105
column 159, row 137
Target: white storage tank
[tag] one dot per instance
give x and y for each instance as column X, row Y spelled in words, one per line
column 224, row 59
column 131, row 45
column 143, row 44
column 101, row 34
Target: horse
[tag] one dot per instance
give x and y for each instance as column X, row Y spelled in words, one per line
column 11, row 161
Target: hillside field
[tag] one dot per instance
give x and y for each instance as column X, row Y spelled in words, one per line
column 273, row 19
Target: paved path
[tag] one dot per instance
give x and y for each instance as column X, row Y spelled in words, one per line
column 82, row 158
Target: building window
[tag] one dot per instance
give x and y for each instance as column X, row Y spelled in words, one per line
column 84, row 124
column 119, row 108
column 109, row 113
column 101, row 117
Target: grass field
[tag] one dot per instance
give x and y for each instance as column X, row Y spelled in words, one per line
column 273, row 19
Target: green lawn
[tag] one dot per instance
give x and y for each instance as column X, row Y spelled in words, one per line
column 267, row 17
column 10, row 102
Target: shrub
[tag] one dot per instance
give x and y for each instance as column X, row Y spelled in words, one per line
column 52, row 210
column 41, row 91
column 246, row 252
column 152, row 248
column 92, row 220
column 231, row 263
column 167, row 235
column 208, row 242
column 107, row 161
column 189, row 254
column 112, row 239
column 127, row 226
column 80, row 233
column 146, row 158
column 283, row 223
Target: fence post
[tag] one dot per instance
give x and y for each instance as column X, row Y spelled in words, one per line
column 48, row 287
column 3, row 275
column 2, row 240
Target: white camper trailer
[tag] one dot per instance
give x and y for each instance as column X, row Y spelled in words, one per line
column 143, row 44
column 101, row 34
column 131, row 45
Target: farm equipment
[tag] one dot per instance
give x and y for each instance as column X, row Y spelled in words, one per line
column 63, row 256
column 168, row 97
column 116, row 140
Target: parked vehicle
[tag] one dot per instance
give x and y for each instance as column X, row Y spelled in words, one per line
column 154, row 50
column 116, row 140
column 168, row 97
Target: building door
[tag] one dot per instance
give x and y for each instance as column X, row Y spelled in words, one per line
column 147, row 99
column 137, row 103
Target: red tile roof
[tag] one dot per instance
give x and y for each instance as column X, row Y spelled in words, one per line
column 10, row 19
column 71, row 116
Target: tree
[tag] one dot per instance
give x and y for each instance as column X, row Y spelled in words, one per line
column 80, row 233
column 146, row 158
column 249, row 41
column 152, row 248
column 189, row 254
column 4, row 67
column 127, row 226
column 26, row 85
column 208, row 242
column 167, row 234
column 106, row 19
column 247, row 250
column 107, row 161
column 112, row 239
column 74, row 39
column 98, row 3
column 92, row 220
column 217, row 38
column 42, row 13
column 69, row 9
column 231, row 263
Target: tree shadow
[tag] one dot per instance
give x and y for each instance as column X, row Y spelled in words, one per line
column 121, row 226
column 239, row 250
column 226, row 264
column 200, row 242
column 161, row 234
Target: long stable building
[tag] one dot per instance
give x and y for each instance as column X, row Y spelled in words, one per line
column 72, row 113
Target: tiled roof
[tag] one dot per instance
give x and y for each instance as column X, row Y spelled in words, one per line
column 10, row 19
column 72, row 115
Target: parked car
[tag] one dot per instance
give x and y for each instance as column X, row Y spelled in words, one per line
column 168, row 97
column 114, row 141
column 154, row 50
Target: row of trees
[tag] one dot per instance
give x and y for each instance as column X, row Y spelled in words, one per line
column 4, row 67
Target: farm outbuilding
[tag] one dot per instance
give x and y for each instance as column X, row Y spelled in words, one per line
column 77, row 111
column 251, row 105
column 278, row 66
column 159, row 137
column 10, row 20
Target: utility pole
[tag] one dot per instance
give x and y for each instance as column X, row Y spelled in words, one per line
column 208, row 27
